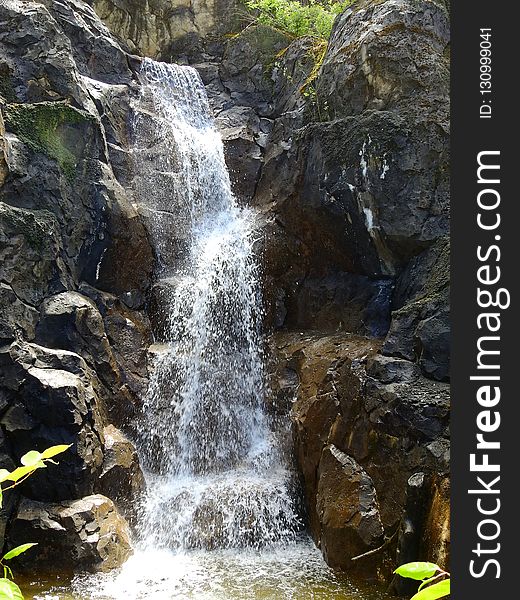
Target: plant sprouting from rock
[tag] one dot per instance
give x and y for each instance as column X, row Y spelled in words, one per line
column 435, row 581
column 313, row 18
column 30, row 462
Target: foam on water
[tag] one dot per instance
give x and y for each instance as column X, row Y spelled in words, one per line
column 217, row 476
column 220, row 519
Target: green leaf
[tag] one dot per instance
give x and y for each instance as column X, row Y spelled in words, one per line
column 54, row 450
column 1, row 497
column 4, row 474
column 9, row 590
column 18, row 550
column 435, row 591
column 20, row 472
column 417, row 570
column 31, row 459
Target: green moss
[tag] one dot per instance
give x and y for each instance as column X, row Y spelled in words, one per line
column 33, row 227
column 6, row 89
column 38, row 125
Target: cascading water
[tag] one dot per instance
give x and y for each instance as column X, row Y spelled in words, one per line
column 217, row 476
column 220, row 518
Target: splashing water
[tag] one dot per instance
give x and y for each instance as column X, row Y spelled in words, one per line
column 217, row 475
column 220, row 520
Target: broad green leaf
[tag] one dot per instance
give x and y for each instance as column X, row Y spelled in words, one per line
column 54, row 450
column 4, row 474
column 18, row 550
column 9, row 590
column 435, row 591
column 417, row 570
column 20, row 472
column 31, row 459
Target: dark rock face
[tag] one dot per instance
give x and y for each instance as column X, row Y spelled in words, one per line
column 348, row 168
column 382, row 415
column 75, row 268
column 89, row 532
column 347, row 508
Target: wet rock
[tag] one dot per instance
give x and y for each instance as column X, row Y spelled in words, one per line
column 121, row 478
column 316, row 361
column 88, row 533
column 347, row 508
column 379, row 410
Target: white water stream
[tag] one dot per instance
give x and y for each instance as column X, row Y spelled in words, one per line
column 220, row 520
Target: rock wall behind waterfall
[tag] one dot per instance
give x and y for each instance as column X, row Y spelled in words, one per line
column 351, row 176
column 351, row 173
column 75, row 266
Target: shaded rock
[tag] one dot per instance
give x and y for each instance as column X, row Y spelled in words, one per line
column 53, row 401
column 341, row 302
column 88, row 533
column 21, row 318
column 420, row 329
column 424, row 532
column 347, row 508
column 30, row 262
column 239, row 127
column 410, row 531
column 121, row 477
column 245, row 69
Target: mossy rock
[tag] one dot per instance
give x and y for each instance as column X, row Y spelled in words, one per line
column 266, row 43
column 7, row 91
column 41, row 127
column 34, row 226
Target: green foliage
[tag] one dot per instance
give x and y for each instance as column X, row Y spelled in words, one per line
column 30, row 462
column 9, row 590
column 435, row 581
column 314, row 18
column 417, row 570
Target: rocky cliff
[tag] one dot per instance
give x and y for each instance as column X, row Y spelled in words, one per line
column 345, row 155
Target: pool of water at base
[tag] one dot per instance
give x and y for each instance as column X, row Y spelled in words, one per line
column 293, row 572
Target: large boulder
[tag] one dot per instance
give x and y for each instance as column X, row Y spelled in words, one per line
column 88, row 534
column 52, row 399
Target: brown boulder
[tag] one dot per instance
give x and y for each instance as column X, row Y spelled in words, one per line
column 121, row 477
column 347, row 508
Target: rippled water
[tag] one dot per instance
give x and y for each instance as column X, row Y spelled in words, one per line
column 295, row 572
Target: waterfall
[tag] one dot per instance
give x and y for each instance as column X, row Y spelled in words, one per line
column 217, row 476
